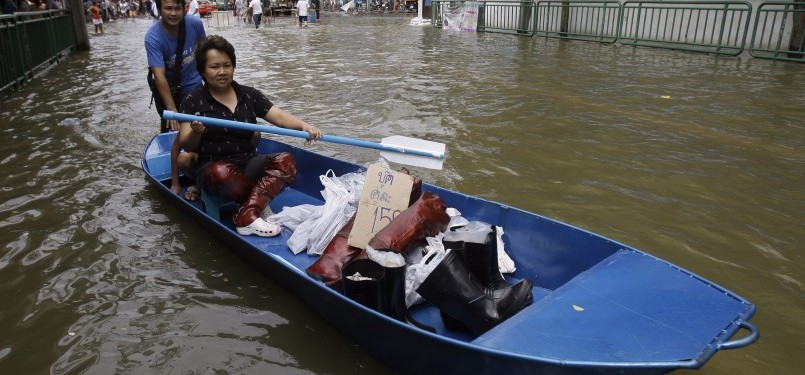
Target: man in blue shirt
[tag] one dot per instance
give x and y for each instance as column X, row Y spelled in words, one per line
column 165, row 59
column 161, row 47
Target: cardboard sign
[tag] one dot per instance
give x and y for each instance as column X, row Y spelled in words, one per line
column 385, row 194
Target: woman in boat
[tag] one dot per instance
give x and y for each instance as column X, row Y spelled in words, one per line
column 228, row 164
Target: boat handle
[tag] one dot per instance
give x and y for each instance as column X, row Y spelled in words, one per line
column 754, row 334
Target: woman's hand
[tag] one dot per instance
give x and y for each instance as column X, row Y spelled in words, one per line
column 315, row 133
column 198, row 127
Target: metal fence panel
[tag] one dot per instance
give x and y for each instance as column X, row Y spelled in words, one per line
column 31, row 41
column 12, row 65
column 779, row 32
column 514, row 17
column 702, row 26
column 581, row 20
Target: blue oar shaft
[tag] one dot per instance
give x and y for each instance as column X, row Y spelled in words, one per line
column 170, row 115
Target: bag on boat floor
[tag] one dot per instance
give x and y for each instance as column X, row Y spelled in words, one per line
column 417, row 272
column 340, row 203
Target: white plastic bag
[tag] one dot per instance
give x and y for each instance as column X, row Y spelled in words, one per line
column 505, row 262
column 315, row 231
column 388, row 259
column 291, row 217
column 416, row 273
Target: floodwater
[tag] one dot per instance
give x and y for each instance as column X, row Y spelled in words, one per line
column 695, row 158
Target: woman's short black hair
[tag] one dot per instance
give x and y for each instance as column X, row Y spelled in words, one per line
column 213, row 42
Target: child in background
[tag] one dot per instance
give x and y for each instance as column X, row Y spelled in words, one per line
column 95, row 11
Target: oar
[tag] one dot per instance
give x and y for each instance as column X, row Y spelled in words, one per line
column 397, row 148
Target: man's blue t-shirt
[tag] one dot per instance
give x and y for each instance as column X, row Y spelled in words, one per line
column 161, row 49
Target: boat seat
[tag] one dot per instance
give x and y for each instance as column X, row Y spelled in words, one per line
column 211, row 204
column 629, row 307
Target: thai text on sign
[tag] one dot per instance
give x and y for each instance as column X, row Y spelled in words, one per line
column 385, row 194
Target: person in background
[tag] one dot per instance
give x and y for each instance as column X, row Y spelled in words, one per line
column 133, row 5
column 256, row 8
column 161, row 45
column 37, row 5
column 315, row 4
column 149, row 9
column 238, row 8
column 228, row 164
column 302, row 11
column 24, row 6
column 95, row 11
column 54, row 5
column 192, row 8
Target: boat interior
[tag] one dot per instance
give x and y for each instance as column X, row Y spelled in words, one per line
column 595, row 300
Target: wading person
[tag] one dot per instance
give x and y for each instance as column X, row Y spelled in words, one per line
column 302, row 12
column 169, row 45
column 95, row 11
column 316, row 5
column 228, row 164
column 256, row 8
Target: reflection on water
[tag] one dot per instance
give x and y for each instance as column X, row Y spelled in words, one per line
column 695, row 158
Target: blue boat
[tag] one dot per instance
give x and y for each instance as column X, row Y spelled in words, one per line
column 600, row 307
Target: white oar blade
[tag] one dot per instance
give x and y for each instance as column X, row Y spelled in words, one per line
column 414, row 160
column 420, row 145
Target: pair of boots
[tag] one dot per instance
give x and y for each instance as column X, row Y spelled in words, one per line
column 383, row 290
column 228, row 181
column 469, row 290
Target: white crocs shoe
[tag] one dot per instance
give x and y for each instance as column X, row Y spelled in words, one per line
column 266, row 213
column 261, row 228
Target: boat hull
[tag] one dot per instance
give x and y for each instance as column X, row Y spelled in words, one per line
column 600, row 307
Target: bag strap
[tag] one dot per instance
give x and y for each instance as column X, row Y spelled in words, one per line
column 177, row 66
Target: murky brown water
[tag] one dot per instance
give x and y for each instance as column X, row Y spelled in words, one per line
column 694, row 158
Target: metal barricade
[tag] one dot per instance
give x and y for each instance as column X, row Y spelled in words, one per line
column 581, row 20
column 509, row 17
column 701, row 26
column 779, row 32
column 32, row 41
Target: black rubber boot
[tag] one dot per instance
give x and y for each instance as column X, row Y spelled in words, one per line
column 457, row 293
column 366, row 292
column 393, row 293
column 482, row 260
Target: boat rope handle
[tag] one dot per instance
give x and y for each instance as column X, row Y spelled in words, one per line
column 754, row 334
